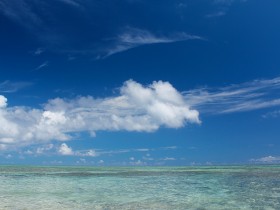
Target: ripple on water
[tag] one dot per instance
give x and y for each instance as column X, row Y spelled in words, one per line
column 140, row 188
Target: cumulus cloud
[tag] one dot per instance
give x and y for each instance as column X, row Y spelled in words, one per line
column 137, row 108
column 42, row 149
column 65, row 150
column 88, row 153
column 3, row 101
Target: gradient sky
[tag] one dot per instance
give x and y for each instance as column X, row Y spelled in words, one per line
column 138, row 82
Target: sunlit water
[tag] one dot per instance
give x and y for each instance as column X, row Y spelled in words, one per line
column 239, row 187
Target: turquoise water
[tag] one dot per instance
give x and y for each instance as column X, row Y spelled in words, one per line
column 245, row 187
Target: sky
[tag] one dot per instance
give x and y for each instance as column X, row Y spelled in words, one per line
column 139, row 83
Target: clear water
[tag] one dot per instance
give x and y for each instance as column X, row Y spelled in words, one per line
column 244, row 187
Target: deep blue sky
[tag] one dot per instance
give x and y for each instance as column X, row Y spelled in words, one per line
column 219, row 58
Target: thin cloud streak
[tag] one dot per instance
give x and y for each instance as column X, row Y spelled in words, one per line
column 30, row 14
column 71, row 3
column 43, row 65
column 12, row 87
column 273, row 114
column 216, row 14
column 21, row 12
column 134, row 37
column 242, row 97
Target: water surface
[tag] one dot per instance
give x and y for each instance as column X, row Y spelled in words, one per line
column 232, row 187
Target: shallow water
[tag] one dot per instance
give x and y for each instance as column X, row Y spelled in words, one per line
column 235, row 187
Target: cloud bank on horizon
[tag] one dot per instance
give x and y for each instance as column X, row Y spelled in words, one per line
column 137, row 108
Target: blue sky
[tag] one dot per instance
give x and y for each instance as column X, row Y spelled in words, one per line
column 136, row 82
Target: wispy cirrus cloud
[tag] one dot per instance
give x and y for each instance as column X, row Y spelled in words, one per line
column 135, row 37
column 43, row 65
column 216, row 14
column 11, row 87
column 273, row 114
column 37, row 18
column 227, row 2
column 39, row 51
column 21, row 12
column 71, row 2
column 257, row 94
column 221, row 7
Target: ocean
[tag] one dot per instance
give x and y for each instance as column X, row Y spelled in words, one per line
column 69, row 187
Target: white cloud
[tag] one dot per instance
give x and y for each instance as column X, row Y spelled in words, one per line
column 9, row 156
column 137, row 108
column 3, row 101
column 35, row 17
column 138, row 163
column 65, row 150
column 267, row 159
column 134, row 37
column 89, row 153
column 142, row 150
column 170, row 148
column 242, row 97
column 162, row 102
column 61, row 149
column 42, row 149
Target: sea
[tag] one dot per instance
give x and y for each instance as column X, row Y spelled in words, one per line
column 70, row 187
